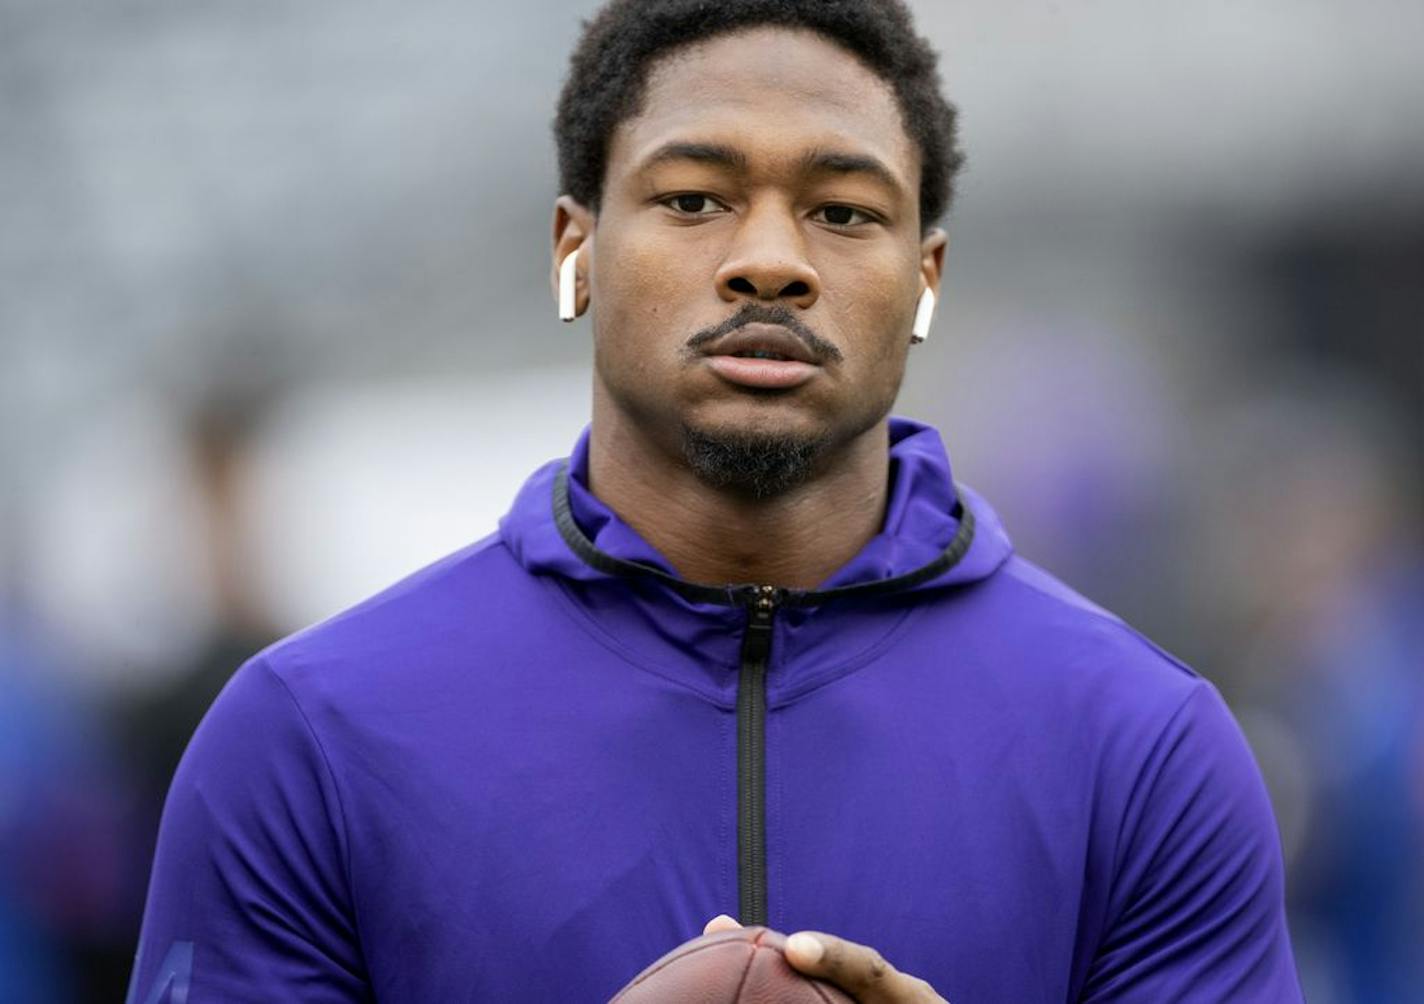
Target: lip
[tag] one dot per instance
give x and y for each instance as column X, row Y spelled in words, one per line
column 760, row 337
column 767, row 374
column 798, row 365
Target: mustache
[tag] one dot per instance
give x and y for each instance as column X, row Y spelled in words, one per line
column 759, row 313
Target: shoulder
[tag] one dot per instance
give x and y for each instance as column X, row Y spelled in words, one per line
column 286, row 711
column 252, row 864
column 1045, row 642
column 1091, row 697
column 416, row 622
column 1156, row 724
column 303, row 698
column 1070, row 616
column 1182, row 831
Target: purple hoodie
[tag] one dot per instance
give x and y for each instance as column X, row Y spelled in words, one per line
column 529, row 770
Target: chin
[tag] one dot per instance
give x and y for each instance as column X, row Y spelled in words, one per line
column 758, row 416
column 754, row 460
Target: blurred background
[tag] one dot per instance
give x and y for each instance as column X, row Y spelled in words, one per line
column 275, row 329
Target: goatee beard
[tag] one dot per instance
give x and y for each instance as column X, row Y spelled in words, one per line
column 758, row 466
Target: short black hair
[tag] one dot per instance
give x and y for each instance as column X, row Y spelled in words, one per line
column 610, row 65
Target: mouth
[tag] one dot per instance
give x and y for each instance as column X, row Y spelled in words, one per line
column 763, row 356
column 763, row 341
column 757, row 354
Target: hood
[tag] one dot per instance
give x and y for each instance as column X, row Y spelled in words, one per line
column 925, row 517
column 936, row 536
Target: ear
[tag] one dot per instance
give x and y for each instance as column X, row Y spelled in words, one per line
column 573, row 229
column 932, row 248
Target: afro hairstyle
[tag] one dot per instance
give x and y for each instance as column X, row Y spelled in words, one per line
column 618, row 47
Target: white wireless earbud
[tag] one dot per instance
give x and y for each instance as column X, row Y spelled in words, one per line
column 924, row 313
column 568, row 285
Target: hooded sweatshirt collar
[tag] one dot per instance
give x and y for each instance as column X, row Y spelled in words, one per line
column 934, row 534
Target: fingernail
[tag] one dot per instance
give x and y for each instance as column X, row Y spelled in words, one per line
column 805, row 947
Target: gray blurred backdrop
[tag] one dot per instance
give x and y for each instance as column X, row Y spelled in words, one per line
column 275, row 329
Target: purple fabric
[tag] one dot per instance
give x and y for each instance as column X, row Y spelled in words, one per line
column 512, row 777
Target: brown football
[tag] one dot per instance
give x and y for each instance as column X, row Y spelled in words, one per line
column 745, row 966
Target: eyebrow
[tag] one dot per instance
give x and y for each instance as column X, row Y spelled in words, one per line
column 813, row 162
column 705, row 153
column 839, row 162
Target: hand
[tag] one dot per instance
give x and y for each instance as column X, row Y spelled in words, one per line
column 856, row 969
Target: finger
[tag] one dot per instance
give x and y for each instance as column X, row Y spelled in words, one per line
column 859, row 970
column 721, row 922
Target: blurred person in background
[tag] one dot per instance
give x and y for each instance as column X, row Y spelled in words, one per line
column 1317, row 592
column 219, row 433
column 157, row 719
column 83, row 770
column 62, row 838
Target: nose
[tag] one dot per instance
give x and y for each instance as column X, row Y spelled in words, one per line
column 767, row 262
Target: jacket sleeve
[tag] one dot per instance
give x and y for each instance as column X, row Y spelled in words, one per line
column 1197, row 911
column 250, row 897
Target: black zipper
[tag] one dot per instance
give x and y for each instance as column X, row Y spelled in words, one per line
column 762, row 602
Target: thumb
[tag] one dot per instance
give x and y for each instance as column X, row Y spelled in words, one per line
column 721, row 922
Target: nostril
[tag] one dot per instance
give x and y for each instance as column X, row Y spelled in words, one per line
column 797, row 288
column 741, row 285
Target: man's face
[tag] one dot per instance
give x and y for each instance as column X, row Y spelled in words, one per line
column 767, row 175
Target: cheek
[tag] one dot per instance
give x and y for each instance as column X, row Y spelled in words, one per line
column 873, row 306
column 641, row 310
column 872, row 310
column 653, row 279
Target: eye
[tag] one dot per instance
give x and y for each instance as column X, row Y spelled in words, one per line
column 843, row 216
column 694, row 204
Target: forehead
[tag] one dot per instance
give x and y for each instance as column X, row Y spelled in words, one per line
column 768, row 91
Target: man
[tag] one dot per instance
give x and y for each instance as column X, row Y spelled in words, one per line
column 749, row 652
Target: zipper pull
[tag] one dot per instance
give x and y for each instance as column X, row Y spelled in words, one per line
column 763, row 601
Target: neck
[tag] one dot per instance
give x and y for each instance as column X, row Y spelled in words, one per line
column 796, row 540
